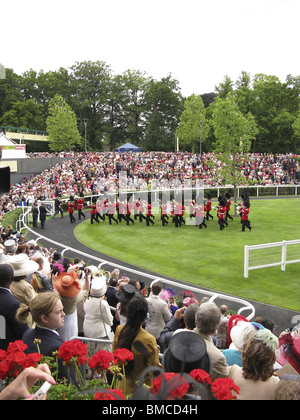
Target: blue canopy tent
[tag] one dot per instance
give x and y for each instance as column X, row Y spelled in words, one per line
column 128, row 147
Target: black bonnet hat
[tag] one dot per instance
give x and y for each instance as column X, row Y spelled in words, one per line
column 186, row 351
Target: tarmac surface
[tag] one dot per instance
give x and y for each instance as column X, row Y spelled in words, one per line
column 61, row 231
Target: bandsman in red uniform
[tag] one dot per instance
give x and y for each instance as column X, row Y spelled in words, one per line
column 228, row 204
column 208, row 208
column 80, row 203
column 71, row 207
column 93, row 211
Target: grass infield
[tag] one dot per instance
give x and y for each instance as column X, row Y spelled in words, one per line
column 209, row 257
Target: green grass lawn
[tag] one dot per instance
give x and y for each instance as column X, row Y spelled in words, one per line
column 209, row 257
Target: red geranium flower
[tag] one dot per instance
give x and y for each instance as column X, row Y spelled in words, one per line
column 101, row 360
column 179, row 392
column 106, row 395
column 200, row 376
column 222, row 389
column 3, row 354
column 122, row 356
column 73, row 352
column 16, row 346
column 32, row 360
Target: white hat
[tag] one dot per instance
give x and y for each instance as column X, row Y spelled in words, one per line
column 22, row 265
column 240, row 333
column 98, row 286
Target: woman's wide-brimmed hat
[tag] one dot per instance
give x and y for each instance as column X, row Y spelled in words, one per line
column 126, row 293
column 98, row 286
column 186, row 351
column 68, row 285
column 22, row 265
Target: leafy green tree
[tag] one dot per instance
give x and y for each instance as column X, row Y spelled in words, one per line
column 225, row 87
column 164, row 106
column 192, row 124
column 27, row 114
column 91, row 82
column 233, row 132
column 296, row 125
column 62, row 126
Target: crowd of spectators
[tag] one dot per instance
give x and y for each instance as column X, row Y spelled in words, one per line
column 91, row 172
column 153, row 322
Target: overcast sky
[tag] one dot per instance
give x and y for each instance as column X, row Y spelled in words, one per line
column 198, row 42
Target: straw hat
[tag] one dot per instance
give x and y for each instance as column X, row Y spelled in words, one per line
column 68, row 285
column 22, row 265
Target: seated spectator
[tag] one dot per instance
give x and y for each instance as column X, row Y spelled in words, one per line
column 9, row 305
column 221, row 333
column 186, row 351
column 289, row 350
column 207, row 320
column 173, row 326
column 287, row 390
column 239, row 335
column 256, row 378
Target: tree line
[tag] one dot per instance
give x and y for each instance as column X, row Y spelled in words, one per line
column 87, row 101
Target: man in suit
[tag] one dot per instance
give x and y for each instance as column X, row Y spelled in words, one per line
column 159, row 313
column 35, row 214
column 10, row 329
column 43, row 215
column 112, row 300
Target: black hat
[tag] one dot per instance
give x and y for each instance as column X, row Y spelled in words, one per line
column 126, row 293
column 186, row 351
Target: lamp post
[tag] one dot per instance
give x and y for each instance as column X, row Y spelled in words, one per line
column 201, row 123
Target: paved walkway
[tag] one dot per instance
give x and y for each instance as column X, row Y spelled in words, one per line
column 62, row 231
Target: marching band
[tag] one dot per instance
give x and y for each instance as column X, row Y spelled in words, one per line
column 172, row 211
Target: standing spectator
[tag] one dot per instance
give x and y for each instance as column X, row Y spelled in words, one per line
column 35, row 214
column 43, row 215
column 10, row 329
column 58, row 207
column 112, row 300
column 47, row 312
column 207, row 320
column 98, row 319
column 159, row 313
column 71, row 294
column 133, row 337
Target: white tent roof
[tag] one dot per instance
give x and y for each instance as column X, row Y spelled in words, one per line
column 5, row 141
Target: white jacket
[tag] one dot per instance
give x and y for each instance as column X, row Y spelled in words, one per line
column 97, row 319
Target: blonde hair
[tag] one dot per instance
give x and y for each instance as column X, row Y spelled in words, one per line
column 42, row 304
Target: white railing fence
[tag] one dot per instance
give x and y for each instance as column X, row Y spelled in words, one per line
column 271, row 255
